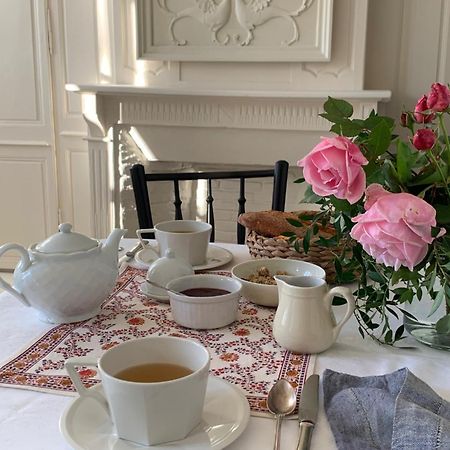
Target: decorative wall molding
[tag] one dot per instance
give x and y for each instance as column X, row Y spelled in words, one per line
column 235, row 30
column 275, row 110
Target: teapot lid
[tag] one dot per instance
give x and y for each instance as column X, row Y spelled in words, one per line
column 66, row 241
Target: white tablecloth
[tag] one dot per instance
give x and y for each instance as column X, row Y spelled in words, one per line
column 29, row 420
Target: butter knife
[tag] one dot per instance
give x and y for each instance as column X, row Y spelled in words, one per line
column 129, row 255
column 307, row 411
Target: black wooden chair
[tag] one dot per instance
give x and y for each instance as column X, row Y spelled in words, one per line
column 140, row 179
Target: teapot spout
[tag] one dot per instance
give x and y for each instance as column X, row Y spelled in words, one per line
column 111, row 245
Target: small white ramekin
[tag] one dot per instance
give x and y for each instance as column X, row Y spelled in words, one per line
column 204, row 312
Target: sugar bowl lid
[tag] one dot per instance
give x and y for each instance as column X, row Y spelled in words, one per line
column 66, row 241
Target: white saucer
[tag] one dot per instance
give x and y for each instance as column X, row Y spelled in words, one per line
column 86, row 426
column 147, row 290
column 215, row 257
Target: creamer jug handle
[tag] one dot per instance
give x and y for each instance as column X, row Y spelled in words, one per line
column 23, row 265
column 346, row 293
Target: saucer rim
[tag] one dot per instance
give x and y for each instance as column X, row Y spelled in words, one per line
column 159, row 298
column 229, row 438
column 226, row 258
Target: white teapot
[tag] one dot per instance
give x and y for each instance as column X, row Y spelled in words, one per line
column 67, row 276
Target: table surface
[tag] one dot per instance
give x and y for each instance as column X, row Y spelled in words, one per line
column 29, row 420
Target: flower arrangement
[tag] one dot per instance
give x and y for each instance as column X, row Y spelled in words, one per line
column 388, row 200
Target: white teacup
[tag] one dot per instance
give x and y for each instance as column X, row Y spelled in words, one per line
column 149, row 413
column 187, row 238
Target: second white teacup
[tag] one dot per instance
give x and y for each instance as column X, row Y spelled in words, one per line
column 154, row 387
column 189, row 239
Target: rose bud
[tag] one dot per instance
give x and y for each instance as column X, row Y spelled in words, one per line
column 438, row 98
column 420, row 107
column 424, row 139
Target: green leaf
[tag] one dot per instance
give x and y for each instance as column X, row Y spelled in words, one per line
column 310, row 196
column 391, row 176
column 379, row 140
column 299, row 180
column 399, row 332
column 442, row 213
column 375, row 276
column 431, row 175
column 338, row 108
column 437, row 302
column 346, row 128
column 443, row 325
column 306, row 240
column 331, row 242
column 295, row 223
column 404, row 162
column 374, row 120
column 388, row 337
column 288, row 233
column 407, row 314
column 340, row 204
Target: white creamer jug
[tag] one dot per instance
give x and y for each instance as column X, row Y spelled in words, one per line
column 304, row 321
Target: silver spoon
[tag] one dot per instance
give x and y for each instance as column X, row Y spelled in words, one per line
column 160, row 286
column 281, row 401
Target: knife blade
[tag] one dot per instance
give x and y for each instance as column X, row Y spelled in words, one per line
column 307, row 411
column 130, row 254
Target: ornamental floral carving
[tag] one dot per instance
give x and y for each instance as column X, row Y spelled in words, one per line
column 249, row 14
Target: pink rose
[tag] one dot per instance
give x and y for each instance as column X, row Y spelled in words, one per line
column 333, row 167
column 438, row 98
column 396, row 228
column 424, row 139
column 420, row 107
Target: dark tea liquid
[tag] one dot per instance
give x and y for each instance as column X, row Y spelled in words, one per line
column 204, row 292
column 153, row 372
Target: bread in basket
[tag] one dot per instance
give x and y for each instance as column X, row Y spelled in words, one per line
column 265, row 239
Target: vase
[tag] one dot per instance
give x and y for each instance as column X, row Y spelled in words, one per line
column 423, row 328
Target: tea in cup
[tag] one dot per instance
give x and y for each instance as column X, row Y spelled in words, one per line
column 188, row 239
column 154, row 387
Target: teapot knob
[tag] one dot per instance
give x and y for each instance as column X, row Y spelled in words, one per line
column 65, row 228
column 169, row 254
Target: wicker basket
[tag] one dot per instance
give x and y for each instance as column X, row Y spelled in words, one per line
column 279, row 247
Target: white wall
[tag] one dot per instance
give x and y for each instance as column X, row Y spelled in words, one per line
column 93, row 42
column 408, row 48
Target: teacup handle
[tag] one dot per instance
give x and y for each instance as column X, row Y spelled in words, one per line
column 346, row 293
column 88, row 361
column 145, row 243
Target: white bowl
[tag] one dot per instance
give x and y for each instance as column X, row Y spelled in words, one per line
column 204, row 312
column 266, row 294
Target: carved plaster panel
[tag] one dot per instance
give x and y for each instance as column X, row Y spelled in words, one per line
column 234, row 30
column 242, row 114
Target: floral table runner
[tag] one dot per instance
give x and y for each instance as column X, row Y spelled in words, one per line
column 243, row 353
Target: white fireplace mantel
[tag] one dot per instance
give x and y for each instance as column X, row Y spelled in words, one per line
column 114, row 106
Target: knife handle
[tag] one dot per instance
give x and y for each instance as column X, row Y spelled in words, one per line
column 304, row 440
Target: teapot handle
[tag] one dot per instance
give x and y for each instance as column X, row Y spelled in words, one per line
column 347, row 294
column 23, row 265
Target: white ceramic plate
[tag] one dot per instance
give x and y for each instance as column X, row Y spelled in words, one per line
column 86, row 426
column 216, row 256
column 147, row 290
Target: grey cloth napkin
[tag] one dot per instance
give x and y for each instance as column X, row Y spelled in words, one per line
column 395, row 411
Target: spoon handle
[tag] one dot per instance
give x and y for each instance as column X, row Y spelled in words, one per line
column 276, row 445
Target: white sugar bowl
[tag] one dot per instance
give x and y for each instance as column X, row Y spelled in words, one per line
column 197, row 306
column 162, row 271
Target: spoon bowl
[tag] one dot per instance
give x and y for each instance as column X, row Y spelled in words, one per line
column 281, row 401
column 160, row 286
